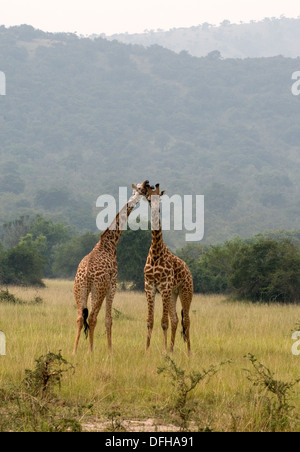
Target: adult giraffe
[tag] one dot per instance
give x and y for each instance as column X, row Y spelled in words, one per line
column 166, row 273
column 97, row 273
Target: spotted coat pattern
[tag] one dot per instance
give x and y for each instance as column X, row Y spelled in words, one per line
column 170, row 276
column 97, row 274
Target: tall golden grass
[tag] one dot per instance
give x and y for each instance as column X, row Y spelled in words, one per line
column 221, row 330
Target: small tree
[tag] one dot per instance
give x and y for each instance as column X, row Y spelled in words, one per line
column 183, row 384
column 23, row 264
column 267, row 270
column 133, row 249
column 68, row 255
column 278, row 407
column 47, row 374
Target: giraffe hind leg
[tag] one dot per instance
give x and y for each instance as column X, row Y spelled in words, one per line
column 79, row 328
column 108, row 315
column 166, row 295
column 81, row 300
column 186, row 299
column 85, row 314
column 150, row 295
column 183, row 332
column 98, row 295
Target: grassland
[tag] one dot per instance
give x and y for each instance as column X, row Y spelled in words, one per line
column 125, row 387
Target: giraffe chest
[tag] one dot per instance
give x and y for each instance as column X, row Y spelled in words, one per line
column 166, row 269
column 158, row 271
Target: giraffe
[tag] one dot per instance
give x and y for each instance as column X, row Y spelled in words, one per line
column 166, row 273
column 97, row 274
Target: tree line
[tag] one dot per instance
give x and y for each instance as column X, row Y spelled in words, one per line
column 263, row 268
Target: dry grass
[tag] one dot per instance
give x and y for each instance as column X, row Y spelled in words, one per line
column 127, row 381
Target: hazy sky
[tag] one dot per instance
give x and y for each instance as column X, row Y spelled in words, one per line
column 118, row 16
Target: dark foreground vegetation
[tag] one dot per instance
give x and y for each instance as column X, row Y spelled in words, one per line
column 37, row 406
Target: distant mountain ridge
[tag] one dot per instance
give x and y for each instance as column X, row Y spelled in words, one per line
column 83, row 117
column 267, row 38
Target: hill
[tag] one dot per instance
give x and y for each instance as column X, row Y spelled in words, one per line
column 82, row 117
column 267, row 38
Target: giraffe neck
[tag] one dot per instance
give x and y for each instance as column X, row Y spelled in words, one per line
column 157, row 245
column 112, row 234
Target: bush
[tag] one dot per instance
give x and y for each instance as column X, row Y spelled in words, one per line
column 46, row 375
column 259, row 269
column 133, row 250
column 35, row 405
column 9, row 298
column 22, row 264
column 267, row 270
column 68, row 255
column 276, row 409
column 211, row 267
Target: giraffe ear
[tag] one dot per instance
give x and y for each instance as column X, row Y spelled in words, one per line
column 134, row 186
column 163, row 193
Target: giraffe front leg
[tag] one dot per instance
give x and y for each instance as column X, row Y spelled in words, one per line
column 186, row 299
column 166, row 300
column 150, row 295
column 165, row 326
column 108, row 315
column 173, row 318
column 81, row 296
column 97, row 300
column 92, row 325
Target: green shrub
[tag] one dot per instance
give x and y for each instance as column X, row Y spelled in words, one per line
column 275, row 396
column 46, row 375
column 259, row 269
column 267, row 270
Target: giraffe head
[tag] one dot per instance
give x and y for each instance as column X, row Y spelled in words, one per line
column 151, row 191
column 141, row 189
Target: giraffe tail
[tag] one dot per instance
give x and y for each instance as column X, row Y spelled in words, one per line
column 183, row 333
column 85, row 314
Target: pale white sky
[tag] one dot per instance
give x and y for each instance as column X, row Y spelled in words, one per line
column 119, row 16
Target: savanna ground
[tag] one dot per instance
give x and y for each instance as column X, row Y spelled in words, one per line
column 125, row 391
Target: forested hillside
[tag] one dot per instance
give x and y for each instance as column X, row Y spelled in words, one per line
column 82, row 117
column 266, row 38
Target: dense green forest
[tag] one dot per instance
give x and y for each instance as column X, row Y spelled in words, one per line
column 83, row 117
column 265, row 38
